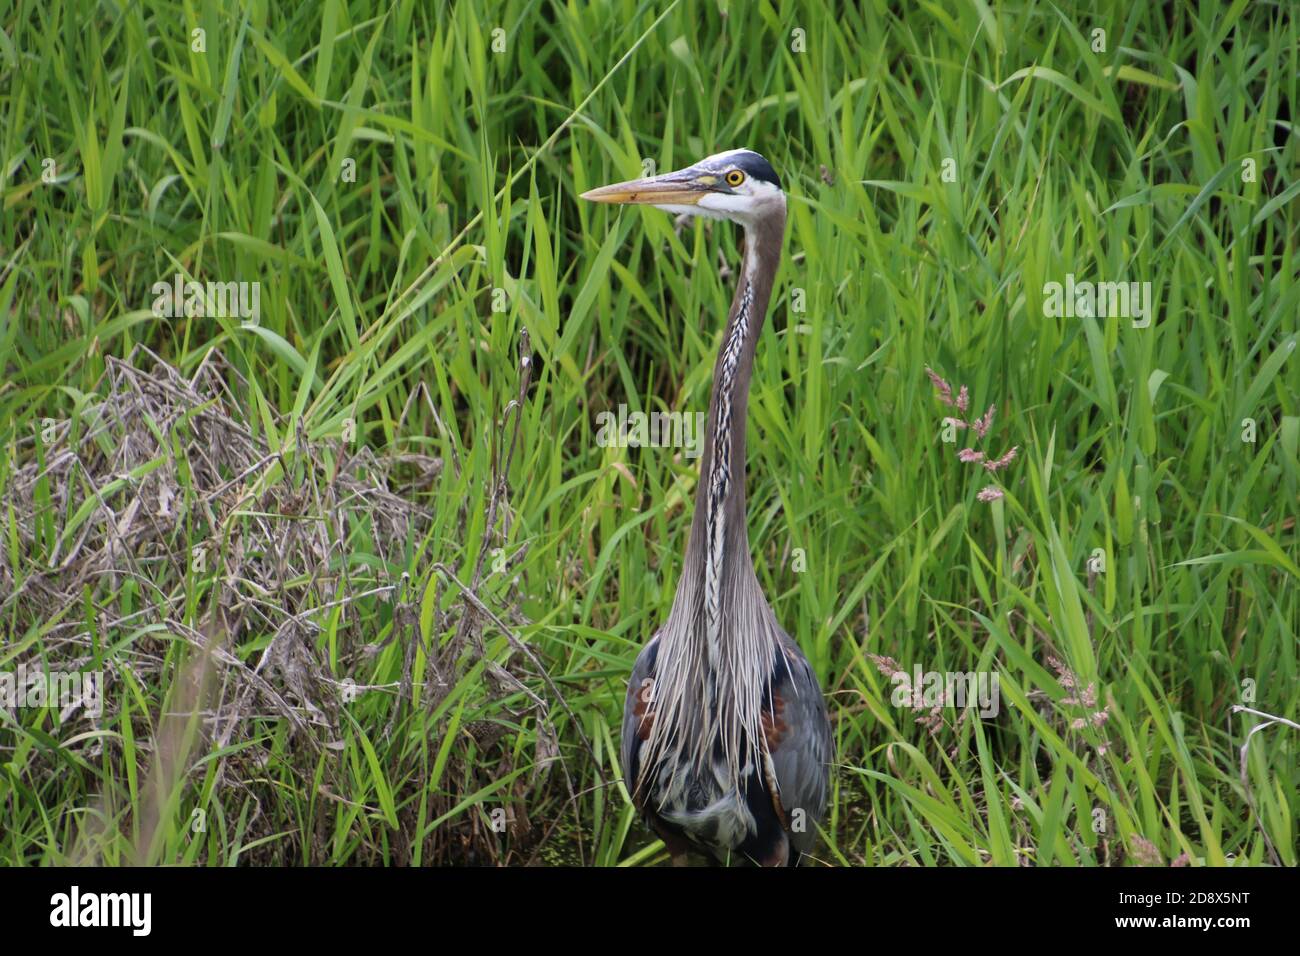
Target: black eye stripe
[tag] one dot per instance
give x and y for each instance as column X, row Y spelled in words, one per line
column 751, row 165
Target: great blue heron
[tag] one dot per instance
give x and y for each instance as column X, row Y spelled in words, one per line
column 726, row 742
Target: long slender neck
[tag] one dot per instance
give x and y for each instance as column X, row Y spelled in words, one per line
column 718, row 547
column 708, row 689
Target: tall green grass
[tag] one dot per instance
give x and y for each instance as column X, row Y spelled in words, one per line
column 943, row 163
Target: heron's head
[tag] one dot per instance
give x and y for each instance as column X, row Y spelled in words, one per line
column 739, row 185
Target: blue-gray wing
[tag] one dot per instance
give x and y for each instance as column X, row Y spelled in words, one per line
column 801, row 746
column 636, row 720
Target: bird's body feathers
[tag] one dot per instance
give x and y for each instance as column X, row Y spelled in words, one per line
column 726, row 741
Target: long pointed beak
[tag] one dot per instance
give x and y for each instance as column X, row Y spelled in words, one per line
column 683, row 188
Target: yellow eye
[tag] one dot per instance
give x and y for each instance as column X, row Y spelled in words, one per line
column 735, row 177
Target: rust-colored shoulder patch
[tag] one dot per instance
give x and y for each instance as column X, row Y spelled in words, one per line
column 773, row 721
column 645, row 718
